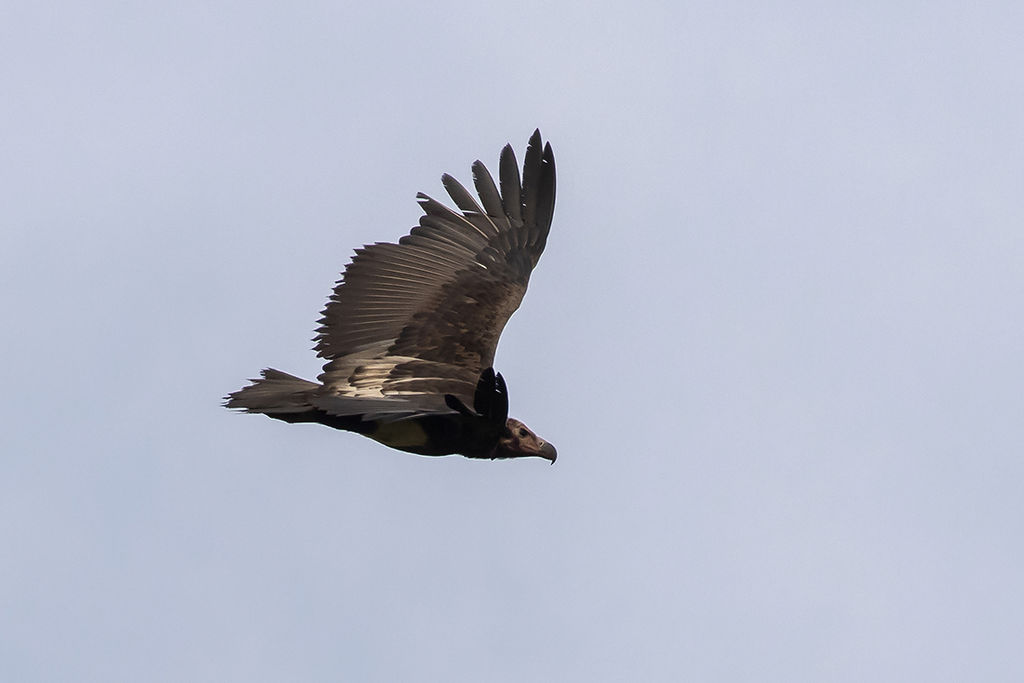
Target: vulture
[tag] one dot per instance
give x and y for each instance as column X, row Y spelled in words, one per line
column 408, row 336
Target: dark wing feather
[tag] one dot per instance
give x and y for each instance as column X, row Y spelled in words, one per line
column 412, row 321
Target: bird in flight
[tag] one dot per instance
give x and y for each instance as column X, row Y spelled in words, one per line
column 409, row 333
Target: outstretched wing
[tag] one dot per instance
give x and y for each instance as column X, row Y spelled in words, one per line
column 423, row 317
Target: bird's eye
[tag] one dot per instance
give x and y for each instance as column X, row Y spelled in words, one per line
column 523, row 433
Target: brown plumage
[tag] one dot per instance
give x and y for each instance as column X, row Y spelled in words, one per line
column 410, row 332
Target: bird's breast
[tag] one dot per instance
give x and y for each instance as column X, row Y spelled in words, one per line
column 436, row 434
column 403, row 435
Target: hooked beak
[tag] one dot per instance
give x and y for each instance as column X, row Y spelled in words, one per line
column 548, row 452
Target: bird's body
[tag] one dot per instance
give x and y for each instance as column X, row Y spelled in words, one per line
column 410, row 332
column 427, row 434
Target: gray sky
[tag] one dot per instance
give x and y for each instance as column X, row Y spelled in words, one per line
column 776, row 337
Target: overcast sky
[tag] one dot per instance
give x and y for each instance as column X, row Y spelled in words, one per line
column 776, row 337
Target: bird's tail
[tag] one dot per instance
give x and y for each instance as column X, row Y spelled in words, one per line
column 275, row 394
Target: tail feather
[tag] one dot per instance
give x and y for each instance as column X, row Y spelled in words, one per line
column 276, row 393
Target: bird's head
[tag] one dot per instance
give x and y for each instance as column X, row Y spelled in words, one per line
column 517, row 441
